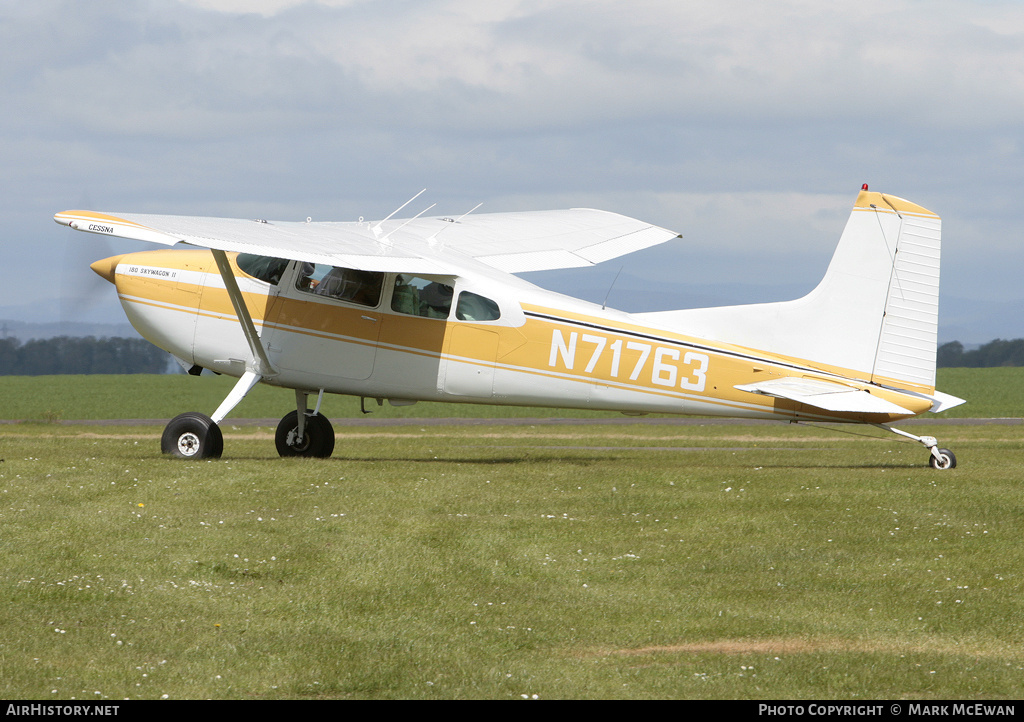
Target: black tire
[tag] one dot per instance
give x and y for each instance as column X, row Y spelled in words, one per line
column 948, row 460
column 317, row 442
column 192, row 436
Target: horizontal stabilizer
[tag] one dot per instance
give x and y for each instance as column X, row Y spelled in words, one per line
column 945, row 401
column 940, row 401
column 824, row 395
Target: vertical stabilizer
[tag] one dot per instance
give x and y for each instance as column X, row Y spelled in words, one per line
column 874, row 316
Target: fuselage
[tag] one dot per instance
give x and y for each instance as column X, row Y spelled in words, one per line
column 496, row 342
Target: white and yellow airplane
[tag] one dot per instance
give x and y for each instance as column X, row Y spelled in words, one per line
column 427, row 309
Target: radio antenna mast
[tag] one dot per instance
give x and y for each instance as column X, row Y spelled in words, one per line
column 433, row 239
column 377, row 227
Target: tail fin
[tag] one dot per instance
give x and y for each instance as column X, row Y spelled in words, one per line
column 874, row 316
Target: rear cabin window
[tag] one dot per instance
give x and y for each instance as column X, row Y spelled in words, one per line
column 265, row 268
column 473, row 307
column 419, row 296
column 344, row 284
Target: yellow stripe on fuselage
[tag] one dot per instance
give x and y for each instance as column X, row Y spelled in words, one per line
column 552, row 344
column 700, row 370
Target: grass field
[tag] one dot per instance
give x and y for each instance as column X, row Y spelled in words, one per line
column 585, row 561
column 996, row 392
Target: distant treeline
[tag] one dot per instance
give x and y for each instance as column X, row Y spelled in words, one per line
column 90, row 355
column 994, row 353
column 80, row 355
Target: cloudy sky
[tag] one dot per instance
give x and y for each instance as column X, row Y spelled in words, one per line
column 747, row 126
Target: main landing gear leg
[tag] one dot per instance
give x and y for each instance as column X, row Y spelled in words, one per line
column 302, row 433
column 940, row 459
column 195, row 436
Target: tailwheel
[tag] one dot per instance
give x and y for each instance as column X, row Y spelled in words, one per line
column 317, row 439
column 942, row 459
column 192, row 436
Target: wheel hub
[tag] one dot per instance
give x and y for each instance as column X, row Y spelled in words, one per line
column 188, row 444
column 295, row 442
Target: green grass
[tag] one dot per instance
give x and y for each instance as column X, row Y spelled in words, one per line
column 495, row 562
column 997, row 392
column 592, row 561
column 141, row 396
column 990, row 393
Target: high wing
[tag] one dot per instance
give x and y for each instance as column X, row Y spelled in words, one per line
column 510, row 242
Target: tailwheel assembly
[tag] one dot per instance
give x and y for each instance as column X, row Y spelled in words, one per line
column 942, row 459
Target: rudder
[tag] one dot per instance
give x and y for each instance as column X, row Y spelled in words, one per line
column 909, row 333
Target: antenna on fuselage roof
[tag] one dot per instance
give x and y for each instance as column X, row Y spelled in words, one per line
column 433, row 238
column 386, row 237
column 457, row 220
column 376, row 228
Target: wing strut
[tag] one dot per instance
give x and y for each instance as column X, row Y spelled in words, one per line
column 260, row 365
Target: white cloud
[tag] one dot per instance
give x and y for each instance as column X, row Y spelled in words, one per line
column 502, row 67
column 730, row 121
column 266, row 8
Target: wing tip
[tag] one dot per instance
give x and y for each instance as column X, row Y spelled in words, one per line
column 106, row 224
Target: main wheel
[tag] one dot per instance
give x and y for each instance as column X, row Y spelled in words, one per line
column 192, row 436
column 948, row 460
column 317, row 441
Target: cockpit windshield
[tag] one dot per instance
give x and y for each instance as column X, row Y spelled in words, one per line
column 265, row 268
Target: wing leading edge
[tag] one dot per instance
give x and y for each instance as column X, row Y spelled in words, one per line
column 509, row 242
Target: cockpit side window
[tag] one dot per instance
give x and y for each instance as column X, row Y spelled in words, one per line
column 343, row 284
column 265, row 268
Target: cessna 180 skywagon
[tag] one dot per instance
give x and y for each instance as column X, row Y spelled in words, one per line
column 427, row 309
